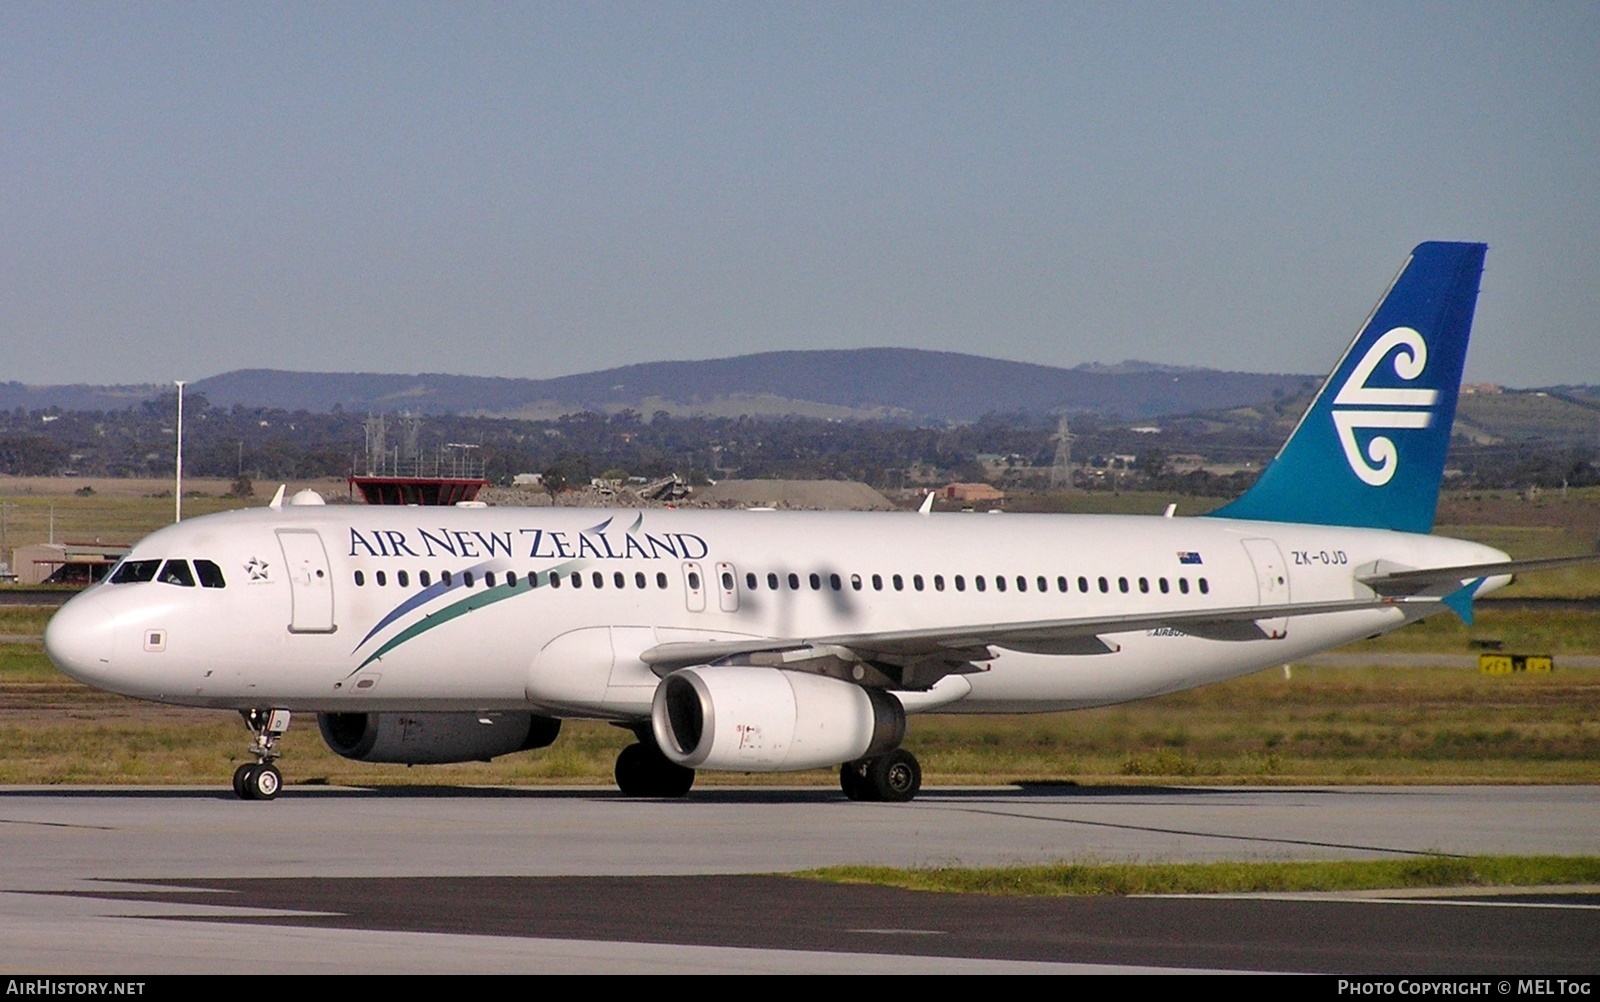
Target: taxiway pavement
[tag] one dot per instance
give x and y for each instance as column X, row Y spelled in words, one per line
column 407, row 879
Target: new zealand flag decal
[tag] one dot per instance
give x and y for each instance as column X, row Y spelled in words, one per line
column 1188, row 557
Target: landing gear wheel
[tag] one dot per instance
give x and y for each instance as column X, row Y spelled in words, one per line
column 853, row 780
column 261, row 780
column 894, row 778
column 257, row 781
column 642, row 771
column 265, row 782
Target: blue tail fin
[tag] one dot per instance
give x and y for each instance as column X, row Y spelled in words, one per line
column 1370, row 450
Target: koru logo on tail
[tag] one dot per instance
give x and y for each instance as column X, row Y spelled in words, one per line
column 1361, row 406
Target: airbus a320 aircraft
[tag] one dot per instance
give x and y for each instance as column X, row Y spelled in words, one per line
column 766, row 641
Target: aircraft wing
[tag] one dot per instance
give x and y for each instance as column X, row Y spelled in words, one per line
column 915, row 658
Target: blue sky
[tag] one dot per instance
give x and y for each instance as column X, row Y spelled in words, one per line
column 541, row 189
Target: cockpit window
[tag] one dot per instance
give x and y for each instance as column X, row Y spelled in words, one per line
column 176, row 572
column 135, row 571
column 210, row 574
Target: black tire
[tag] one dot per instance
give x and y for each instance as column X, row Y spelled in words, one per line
column 642, row 771
column 894, row 778
column 632, row 772
column 265, row 782
column 241, row 781
column 853, row 782
column 672, row 779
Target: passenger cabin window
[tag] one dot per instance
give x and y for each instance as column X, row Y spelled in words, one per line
column 424, row 579
column 916, row 581
column 661, row 579
column 401, row 578
column 381, row 579
column 361, row 579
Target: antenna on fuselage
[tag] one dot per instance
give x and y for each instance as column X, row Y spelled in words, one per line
column 277, row 499
column 927, row 504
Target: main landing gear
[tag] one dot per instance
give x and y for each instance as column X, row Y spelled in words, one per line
column 261, row 780
column 893, row 777
column 642, row 771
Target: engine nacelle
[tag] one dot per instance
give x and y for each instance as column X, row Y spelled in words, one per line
column 434, row 738
column 769, row 720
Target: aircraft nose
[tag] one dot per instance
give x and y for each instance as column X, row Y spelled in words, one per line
column 78, row 638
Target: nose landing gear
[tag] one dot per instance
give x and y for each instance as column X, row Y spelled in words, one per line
column 261, row 780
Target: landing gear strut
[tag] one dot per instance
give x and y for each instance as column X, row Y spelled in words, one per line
column 261, row 780
column 893, row 777
column 642, row 771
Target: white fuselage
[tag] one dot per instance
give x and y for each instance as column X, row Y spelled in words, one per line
column 292, row 628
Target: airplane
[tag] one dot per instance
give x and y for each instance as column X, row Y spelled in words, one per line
column 763, row 641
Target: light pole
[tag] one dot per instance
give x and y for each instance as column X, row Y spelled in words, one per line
column 177, row 513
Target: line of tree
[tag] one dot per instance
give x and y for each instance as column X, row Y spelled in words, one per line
column 1016, row 450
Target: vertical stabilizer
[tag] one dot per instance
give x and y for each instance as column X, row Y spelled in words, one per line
column 1370, row 450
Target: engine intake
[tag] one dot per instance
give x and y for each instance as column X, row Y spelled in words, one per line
column 434, row 738
column 769, row 720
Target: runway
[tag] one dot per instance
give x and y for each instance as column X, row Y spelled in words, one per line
column 541, row 880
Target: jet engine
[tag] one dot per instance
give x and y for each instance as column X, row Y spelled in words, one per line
column 751, row 719
column 434, row 738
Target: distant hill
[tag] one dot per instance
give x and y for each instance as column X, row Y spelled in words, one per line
column 77, row 396
column 902, row 383
column 871, row 382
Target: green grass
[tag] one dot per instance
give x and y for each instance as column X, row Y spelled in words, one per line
column 24, row 620
column 1524, row 631
column 1374, row 724
column 1229, row 878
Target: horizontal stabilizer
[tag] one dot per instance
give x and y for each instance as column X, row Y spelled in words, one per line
column 1408, row 581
